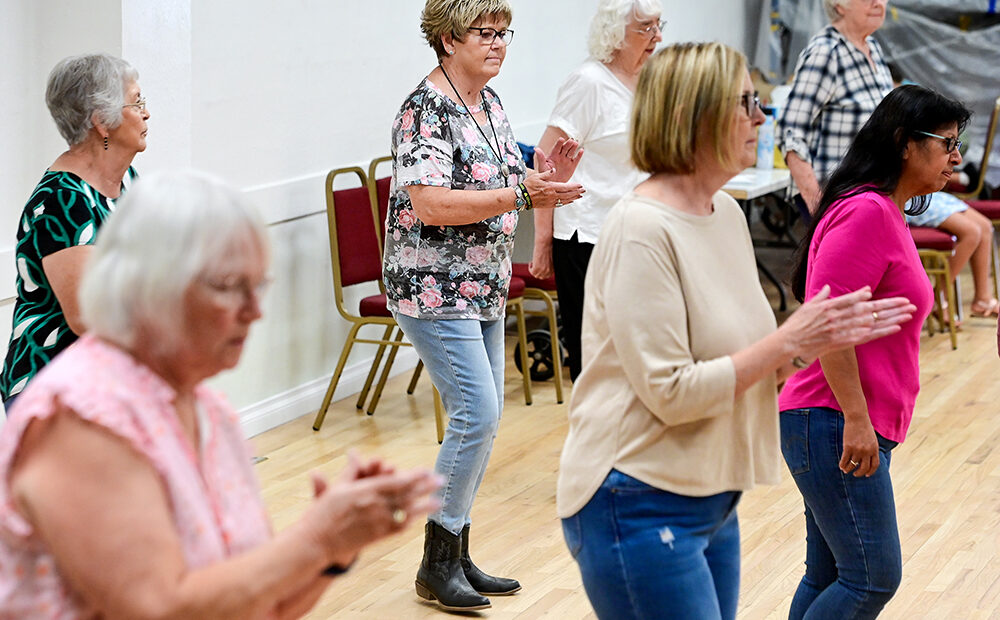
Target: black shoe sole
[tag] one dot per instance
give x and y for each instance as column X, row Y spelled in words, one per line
column 424, row 593
column 507, row 593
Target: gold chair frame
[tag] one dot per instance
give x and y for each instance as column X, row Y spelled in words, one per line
column 973, row 194
column 516, row 304
column 549, row 298
column 357, row 321
column 936, row 265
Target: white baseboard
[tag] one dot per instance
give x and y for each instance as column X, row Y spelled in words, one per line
column 306, row 398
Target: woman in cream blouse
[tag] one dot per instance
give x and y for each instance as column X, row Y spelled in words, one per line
column 675, row 411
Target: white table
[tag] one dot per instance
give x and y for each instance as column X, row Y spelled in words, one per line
column 754, row 183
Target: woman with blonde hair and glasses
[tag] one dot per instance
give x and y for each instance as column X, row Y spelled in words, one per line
column 675, row 411
column 593, row 106
column 458, row 183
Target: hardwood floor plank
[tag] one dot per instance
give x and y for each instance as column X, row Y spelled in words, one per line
column 946, row 477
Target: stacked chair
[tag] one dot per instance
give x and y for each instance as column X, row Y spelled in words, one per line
column 356, row 257
column 545, row 292
column 989, row 208
column 356, row 221
column 935, row 248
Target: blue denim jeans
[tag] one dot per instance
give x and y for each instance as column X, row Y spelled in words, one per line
column 465, row 359
column 853, row 559
column 648, row 553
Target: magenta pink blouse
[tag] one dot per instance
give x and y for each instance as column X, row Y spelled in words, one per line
column 215, row 500
column 863, row 240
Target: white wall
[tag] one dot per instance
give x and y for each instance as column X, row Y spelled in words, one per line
column 270, row 97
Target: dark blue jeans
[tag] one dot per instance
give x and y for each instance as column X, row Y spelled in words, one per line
column 648, row 553
column 853, row 559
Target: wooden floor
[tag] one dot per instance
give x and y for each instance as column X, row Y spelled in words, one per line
column 946, row 477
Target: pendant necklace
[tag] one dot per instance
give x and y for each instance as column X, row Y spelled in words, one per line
column 504, row 168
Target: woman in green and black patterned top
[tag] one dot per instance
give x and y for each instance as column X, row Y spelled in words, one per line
column 97, row 105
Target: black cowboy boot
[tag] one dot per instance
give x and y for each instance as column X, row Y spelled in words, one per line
column 440, row 577
column 483, row 583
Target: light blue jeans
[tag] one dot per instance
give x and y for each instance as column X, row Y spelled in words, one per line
column 465, row 359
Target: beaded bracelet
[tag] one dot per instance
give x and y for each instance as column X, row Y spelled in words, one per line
column 522, row 191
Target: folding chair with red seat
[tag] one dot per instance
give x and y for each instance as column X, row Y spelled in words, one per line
column 935, row 248
column 544, row 351
column 356, row 257
column 989, row 208
column 378, row 188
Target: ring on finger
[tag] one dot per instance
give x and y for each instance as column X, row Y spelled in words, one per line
column 853, row 463
column 558, row 202
column 874, row 316
column 399, row 516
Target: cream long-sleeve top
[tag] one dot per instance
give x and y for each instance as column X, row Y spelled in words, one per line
column 670, row 296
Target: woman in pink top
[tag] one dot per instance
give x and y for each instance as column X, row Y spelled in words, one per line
column 126, row 489
column 841, row 417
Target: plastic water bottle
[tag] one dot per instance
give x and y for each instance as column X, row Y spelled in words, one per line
column 765, row 144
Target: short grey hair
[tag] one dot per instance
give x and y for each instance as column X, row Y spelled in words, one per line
column 170, row 229
column 830, row 6
column 79, row 86
column 607, row 28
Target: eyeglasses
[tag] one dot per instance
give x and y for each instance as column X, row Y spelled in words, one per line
column 651, row 29
column 950, row 144
column 750, row 103
column 139, row 105
column 488, row 35
column 237, row 290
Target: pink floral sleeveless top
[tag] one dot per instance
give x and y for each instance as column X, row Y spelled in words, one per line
column 215, row 501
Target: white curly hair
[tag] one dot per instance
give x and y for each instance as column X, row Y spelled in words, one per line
column 607, row 29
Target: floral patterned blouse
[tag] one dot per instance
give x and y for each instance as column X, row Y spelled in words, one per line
column 448, row 272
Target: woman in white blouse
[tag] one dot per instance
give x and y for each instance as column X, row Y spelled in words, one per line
column 593, row 107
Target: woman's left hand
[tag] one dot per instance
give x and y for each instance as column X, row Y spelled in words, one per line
column 824, row 324
column 564, row 159
column 860, row 454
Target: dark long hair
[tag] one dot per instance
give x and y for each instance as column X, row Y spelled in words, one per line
column 875, row 159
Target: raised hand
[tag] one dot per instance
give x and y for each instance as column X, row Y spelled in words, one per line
column 564, row 159
column 825, row 324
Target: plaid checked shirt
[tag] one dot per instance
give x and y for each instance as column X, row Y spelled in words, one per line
column 834, row 92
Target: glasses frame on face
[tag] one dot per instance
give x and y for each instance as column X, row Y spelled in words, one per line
column 950, row 144
column 649, row 30
column 751, row 103
column 139, row 105
column 237, row 291
column 488, row 35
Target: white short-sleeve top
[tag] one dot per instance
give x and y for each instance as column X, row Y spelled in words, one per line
column 594, row 107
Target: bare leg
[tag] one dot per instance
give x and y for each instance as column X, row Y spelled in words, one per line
column 973, row 232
